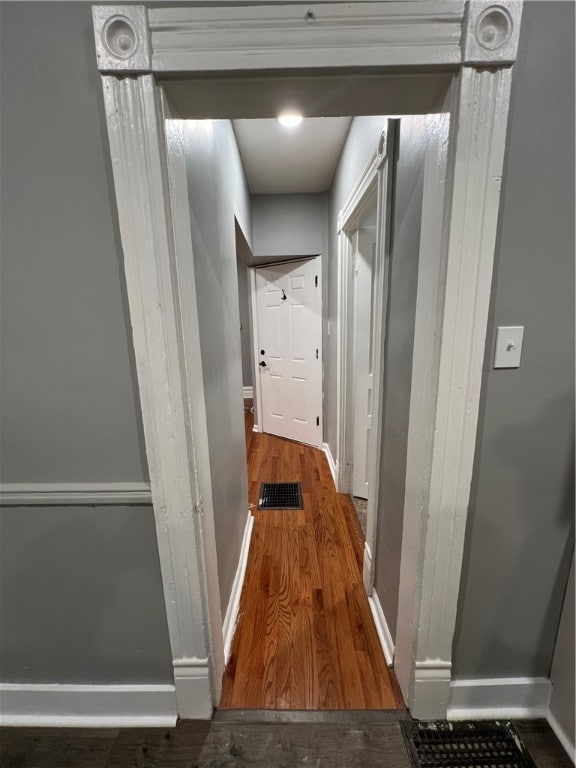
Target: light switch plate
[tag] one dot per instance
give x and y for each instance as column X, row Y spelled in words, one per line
column 508, row 346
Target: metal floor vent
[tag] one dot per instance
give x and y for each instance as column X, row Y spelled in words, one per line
column 465, row 744
column 280, row 496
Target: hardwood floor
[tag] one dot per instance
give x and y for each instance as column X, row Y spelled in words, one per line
column 305, row 637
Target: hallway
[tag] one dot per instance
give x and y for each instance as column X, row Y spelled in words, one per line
column 305, row 637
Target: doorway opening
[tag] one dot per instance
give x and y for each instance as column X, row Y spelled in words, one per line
column 191, row 63
column 303, row 635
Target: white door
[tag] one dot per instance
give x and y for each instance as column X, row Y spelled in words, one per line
column 289, row 349
column 364, row 256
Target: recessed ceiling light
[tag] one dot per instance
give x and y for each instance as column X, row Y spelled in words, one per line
column 290, row 119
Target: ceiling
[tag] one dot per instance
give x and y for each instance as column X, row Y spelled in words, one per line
column 280, row 160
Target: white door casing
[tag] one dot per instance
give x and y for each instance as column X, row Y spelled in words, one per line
column 363, row 374
column 477, row 42
column 288, row 343
column 371, row 192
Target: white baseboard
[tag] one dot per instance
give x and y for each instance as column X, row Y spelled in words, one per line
column 193, row 689
column 499, row 698
column 247, row 392
column 73, row 494
column 562, row 736
column 382, row 628
column 367, row 572
column 431, row 692
column 331, row 462
column 87, row 706
column 229, row 625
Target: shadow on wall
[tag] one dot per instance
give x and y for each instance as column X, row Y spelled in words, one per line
column 534, row 538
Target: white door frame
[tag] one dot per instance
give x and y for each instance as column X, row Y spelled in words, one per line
column 477, row 42
column 370, row 192
column 258, row 414
column 361, row 408
column 257, row 385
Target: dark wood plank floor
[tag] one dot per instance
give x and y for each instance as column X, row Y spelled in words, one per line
column 305, row 637
column 237, row 744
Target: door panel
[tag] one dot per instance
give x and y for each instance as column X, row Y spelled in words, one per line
column 289, row 327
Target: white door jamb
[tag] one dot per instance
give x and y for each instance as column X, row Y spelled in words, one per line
column 370, row 191
column 258, row 415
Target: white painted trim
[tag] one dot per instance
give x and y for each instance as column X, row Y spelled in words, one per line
column 430, row 693
column 371, row 190
column 231, row 617
column 562, row 736
column 343, row 361
column 133, row 22
column 257, row 386
column 331, row 462
column 74, row 494
column 385, row 151
column 499, row 698
column 382, row 628
column 155, row 232
column 364, row 195
column 247, row 392
column 451, row 313
column 284, row 35
column 87, row 706
column 423, row 393
column 367, row 567
column 446, row 382
column 194, row 688
column 196, row 413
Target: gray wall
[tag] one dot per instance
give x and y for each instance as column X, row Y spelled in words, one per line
column 521, row 523
column 81, row 598
column 411, row 144
column 69, row 402
column 288, row 225
column 563, row 673
column 218, row 196
column 81, row 588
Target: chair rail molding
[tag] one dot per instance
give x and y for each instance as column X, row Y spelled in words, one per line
column 476, row 43
column 73, row 494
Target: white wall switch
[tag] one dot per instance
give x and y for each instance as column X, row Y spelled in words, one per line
column 508, row 346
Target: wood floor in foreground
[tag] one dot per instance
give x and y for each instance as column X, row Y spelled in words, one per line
column 305, row 638
column 237, row 744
